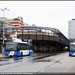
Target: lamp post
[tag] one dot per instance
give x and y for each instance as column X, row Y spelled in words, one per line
column 3, row 27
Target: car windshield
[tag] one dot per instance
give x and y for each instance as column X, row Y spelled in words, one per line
column 72, row 47
column 11, row 46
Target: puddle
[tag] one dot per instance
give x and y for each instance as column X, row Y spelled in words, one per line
column 17, row 60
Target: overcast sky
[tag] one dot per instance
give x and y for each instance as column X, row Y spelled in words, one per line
column 54, row 14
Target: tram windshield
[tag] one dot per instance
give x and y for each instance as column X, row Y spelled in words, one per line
column 72, row 47
column 10, row 46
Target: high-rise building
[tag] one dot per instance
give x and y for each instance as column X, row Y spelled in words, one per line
column 71, row 30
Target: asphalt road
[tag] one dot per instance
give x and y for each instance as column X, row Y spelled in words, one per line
column 61, row 63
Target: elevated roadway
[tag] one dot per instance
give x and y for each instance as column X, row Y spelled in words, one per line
column 44, row 38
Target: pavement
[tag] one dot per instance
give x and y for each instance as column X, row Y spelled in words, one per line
column 1, row 55
column 39, row 55
column 57, row 64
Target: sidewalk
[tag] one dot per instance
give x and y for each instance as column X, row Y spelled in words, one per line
column 1, row 55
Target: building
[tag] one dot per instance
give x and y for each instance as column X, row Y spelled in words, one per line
column 7, row 28
column 17, row 22
column 71, row 30
column 7, row 31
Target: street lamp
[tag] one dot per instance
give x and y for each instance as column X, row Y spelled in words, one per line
column 3, row 27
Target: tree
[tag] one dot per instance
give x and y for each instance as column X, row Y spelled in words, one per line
column 33, row 25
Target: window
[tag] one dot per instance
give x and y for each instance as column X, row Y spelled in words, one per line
column 10, row 46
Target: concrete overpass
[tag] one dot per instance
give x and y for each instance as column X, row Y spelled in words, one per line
column 42, row 37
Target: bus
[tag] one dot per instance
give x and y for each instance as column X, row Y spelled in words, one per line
column 72, row 49
column 18, row 49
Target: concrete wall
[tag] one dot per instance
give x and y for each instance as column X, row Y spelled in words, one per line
column 38, row 37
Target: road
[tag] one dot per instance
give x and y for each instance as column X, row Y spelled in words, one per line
column 61, row 63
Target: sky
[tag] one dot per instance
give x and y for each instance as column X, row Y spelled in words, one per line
column 55, row 14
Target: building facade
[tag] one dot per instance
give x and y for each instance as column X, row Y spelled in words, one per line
column 7, row 28
column 71, row 30
column 7, row 31
column 16, row 22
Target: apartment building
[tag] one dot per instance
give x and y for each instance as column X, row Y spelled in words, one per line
column 17, row 22
column 71, row 30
